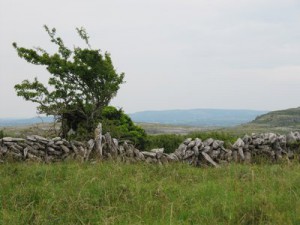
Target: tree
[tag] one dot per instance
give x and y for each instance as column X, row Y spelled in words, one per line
column 82, row 81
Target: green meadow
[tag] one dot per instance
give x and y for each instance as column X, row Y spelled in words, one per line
column 117, row 193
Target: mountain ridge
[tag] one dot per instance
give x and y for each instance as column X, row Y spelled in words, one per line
column 206, row 117
column 197, row 117
column 24, row 121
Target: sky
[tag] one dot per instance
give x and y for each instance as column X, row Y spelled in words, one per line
column 176, row 54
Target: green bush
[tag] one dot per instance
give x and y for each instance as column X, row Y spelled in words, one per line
column 120, row 126
column 117, row 123
column 1, row 134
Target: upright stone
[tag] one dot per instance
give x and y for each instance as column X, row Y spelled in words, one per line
column 98, row 140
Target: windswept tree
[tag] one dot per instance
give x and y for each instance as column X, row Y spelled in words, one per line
column 82, row 82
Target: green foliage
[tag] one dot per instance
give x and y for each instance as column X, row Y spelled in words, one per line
column 170, row 142
column 121, row 126
column 1, row 134
column 113, row 193
column 82, row 81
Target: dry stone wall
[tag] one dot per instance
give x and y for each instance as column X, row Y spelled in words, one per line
column 268, row 146
column 196, row 152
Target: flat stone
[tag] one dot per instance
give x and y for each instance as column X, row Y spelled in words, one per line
column 158, row 150
column 40, row 138
column 10, row 139
column 56, row 139
column 149, row 154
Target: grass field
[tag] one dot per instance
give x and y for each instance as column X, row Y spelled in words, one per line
column 115, row 193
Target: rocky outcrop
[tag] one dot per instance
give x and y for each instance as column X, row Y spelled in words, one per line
column 197, row 152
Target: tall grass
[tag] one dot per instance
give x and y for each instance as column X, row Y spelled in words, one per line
column 113, row 193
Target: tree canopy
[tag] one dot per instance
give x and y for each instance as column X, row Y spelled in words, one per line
column 82, row 82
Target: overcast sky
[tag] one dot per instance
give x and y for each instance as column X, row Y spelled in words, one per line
column 176, row 54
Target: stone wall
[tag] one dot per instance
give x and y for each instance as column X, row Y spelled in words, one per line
column 196, row 152
column 267, row 146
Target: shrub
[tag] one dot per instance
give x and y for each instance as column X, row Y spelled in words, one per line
column 120, row 126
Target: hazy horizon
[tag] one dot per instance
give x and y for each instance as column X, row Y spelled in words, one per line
column 175, row 54
column 41, row 115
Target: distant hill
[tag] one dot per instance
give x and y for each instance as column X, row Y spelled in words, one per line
column 280, row 118
column 27, row 121
column 198, row 117
column 281, row 121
